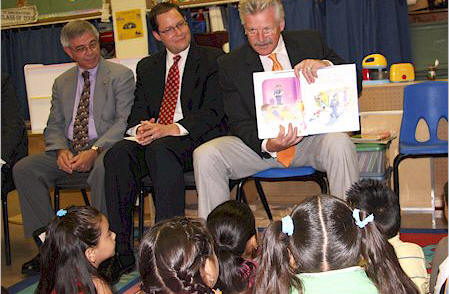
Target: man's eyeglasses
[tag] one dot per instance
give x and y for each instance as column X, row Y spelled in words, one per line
column 83, row 49
column 265, row 31
column 171, row 30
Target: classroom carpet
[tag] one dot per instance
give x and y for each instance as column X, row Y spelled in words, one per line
column 130, row 283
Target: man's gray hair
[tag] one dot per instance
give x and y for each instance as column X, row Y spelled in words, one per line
column 77, row 28
column 256, row 6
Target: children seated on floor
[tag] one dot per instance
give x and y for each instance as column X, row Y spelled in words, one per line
column 77, row 241
column 440, row 271
column 376, row 198
column 233, row 228
column 177, row 256
column 324, row 246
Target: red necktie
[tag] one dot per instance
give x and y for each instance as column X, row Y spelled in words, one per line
column 81, row 124
column 167, row 110
column 286, row 156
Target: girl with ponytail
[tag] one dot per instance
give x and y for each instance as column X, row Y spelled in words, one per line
column 324, row 246
column 233, row 228
column 177, row 256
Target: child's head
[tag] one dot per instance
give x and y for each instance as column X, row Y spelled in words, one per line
column 321, row 234
column 376, row 198
column 177, row 256
column 77, row 241
column 233, row 227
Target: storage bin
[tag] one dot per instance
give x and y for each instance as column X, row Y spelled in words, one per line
column 372, row 160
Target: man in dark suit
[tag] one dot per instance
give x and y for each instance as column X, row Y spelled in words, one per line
column 243, row 153
column 177, row 107
column 89, row 107
column 14, row 135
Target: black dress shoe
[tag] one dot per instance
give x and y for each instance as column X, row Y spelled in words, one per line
column 113, row 268
column 33, row 266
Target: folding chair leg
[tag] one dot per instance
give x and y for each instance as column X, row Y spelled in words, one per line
column 396, row 162
column 6, row 229
column 56, row 201
column 263, row 198
column 240, row 191
column 86, row 199
column 141, row 212
column 323, row 184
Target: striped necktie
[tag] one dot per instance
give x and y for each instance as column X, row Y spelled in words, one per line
column 81, row 124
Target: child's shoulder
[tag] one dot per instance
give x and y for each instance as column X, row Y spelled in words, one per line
column 101, row 286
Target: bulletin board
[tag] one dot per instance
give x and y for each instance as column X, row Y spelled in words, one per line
column 56, row 8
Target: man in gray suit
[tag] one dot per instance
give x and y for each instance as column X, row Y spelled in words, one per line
column 89, row 108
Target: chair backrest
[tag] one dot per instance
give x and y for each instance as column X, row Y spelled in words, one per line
column 427, row 101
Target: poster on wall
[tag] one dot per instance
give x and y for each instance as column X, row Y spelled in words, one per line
column 19, row 15
column 56, row 8
column 129, row 24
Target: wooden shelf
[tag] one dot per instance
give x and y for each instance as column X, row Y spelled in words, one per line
column 203, row 3
column 427, row 15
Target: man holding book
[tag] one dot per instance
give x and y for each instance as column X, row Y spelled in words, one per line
column 242, row 153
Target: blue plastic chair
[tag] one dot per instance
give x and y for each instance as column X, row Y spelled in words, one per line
column 427, row 101
column 302, row 173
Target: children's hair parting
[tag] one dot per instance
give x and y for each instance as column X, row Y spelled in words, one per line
column 64, row 266
column 171, row 256
column 322, row 234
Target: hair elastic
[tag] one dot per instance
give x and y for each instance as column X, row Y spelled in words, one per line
column 361, row 223
column 61, row 212
column 287, row 225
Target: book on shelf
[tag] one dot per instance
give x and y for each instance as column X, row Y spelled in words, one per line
column 330, row 104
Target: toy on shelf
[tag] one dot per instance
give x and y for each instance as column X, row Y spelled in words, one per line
column 402, row 72
column 375, row 69
column 432, row 70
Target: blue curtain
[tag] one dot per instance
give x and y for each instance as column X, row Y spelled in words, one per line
column 236, row 32
column 26, row 46
column 353, row 28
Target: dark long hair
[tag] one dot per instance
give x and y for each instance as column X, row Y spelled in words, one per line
column 325, row 238
column 64, row 266
column 375, row 197
column 171, row 254
column 232, row 224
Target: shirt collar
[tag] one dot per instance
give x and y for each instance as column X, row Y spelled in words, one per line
column 183, row 54
column 395, row 240
column 280, row 48
column 92, row 71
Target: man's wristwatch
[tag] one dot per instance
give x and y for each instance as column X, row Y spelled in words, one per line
column 97, row 149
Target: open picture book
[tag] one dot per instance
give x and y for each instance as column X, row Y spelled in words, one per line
column 330, row 104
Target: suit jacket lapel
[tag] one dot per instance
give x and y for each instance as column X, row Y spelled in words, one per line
column 71, row 82
column 253, row 63
column 100, row 92
column 156, row 83
column 190, row 77
column 295, row 50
